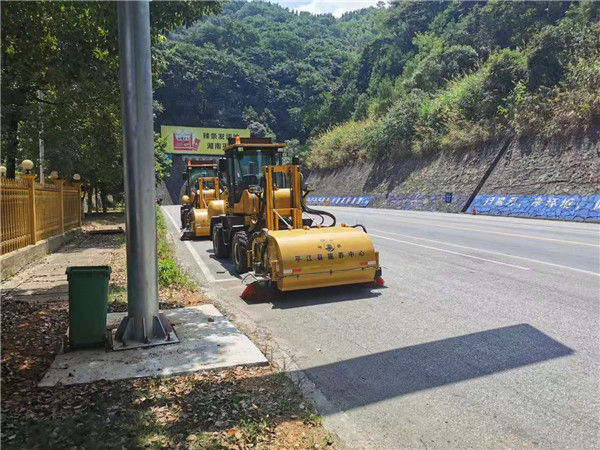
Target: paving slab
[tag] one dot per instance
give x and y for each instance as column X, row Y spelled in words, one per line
column 207, row 341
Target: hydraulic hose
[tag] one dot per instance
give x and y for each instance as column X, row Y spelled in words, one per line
column 359, row 225
column 317, row 212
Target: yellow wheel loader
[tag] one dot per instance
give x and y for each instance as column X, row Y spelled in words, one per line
column 201, row 187
column 267, row 228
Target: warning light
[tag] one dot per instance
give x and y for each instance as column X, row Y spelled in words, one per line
column 238, row 140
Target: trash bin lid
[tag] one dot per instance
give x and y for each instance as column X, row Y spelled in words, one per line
column 89, row 270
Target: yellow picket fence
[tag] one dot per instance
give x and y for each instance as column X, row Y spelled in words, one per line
column 32, row 211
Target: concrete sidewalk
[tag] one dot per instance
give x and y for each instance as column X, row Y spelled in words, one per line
column 207, row 340
column 46, row 281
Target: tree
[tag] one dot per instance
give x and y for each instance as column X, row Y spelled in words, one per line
column 69, row 52
column 295, row 71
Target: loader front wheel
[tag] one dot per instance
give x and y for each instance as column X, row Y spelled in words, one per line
column 219, row 248
column 239, row 252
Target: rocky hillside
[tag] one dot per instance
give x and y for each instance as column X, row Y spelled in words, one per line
column 530, row 165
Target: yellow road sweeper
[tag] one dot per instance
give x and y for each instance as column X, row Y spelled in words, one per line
column 201, row 187
column 267, row 228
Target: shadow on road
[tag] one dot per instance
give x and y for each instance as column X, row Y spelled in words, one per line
column 320, row 296
column 372, row 378
column 226, row 263
column 311, row 297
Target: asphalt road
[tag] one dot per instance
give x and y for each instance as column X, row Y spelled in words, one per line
column 486, row 334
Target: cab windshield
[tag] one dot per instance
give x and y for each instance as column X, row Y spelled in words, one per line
column 248, row 168
column 201, row 172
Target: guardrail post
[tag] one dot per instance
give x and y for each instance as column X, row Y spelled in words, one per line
column 61, row 192
column 30, row 180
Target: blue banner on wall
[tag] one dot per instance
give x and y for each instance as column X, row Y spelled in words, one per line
column 349, row 200
column 567, row 207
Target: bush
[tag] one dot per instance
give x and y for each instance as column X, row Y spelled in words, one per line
column 442, row 65
column 392, row 135
column 339, row 146
column 169, row 273
column 543, row 65
column 572, row 105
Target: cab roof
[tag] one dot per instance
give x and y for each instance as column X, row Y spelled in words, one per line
column 252, row 143
column 205, row 165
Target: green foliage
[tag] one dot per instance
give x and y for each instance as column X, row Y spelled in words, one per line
column 252, row 430
column 340, row 146
column 391, row 136
column 169, row 273
column 452, row 76
column 312, row 419
column 293, row 71
column 293, row 147
column 409, row 79
column 574, row 104
column 162, row 163
column 67, row 52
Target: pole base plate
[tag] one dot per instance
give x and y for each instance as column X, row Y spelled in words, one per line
column 159, row 333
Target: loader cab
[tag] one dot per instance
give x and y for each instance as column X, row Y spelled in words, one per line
column 195, row 171
column 206, row 183
column 244, row 158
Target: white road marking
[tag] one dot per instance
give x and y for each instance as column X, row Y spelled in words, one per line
column 479, row 230
column 494, row 253
column 201, row 264
column 175, row 224
column 554, row 226
column 203, row 267
column 451, row 252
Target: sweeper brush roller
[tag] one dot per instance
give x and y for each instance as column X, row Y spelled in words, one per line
column 318, row 257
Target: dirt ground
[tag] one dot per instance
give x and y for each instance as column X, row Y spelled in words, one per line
column 233, row 408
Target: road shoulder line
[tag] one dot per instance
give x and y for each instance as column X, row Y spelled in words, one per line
column 560, row 266
column 451, row 252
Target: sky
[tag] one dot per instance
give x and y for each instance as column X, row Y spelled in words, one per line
column 335, row 7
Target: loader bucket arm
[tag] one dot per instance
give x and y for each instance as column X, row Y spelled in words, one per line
column 273, row 214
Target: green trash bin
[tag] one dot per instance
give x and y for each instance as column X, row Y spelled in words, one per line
column 88, row 305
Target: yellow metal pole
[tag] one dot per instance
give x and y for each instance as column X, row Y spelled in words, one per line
column 297, row 193
column 30, row 180
column 269, row 198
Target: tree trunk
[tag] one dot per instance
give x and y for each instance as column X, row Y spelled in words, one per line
column 96, row 197
column 90, row 204
column 10, row 126
column 103, row 197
